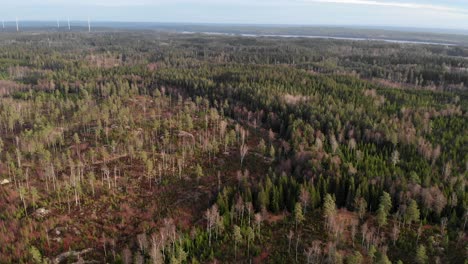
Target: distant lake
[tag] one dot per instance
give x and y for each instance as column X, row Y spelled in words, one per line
column 321, row 37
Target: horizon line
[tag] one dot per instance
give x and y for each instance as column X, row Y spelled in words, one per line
column 363, row 26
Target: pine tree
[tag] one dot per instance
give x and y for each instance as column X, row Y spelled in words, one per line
column 395, row 157
column 298, row 215
column 360, row 205
column 386, row 202
column 272, row 151
column 237, row 239
column 262, row 146
column 412, row 212
column 250, row 235
column 421, row 256
column 329, row 206
column 383, row 259
column 381, row 216
column 356, row 258
column 329, row 211
column 198, row 172
column 371, row 253
column 35, row 254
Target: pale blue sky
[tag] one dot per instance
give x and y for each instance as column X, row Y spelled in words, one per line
column 410, row 13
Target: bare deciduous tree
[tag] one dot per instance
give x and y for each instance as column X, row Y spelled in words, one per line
column 244, row 149
column 304, row 197
column 289, row 236
column 212, row 216
column 395, row 233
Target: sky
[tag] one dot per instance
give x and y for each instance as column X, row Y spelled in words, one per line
column 450, row 14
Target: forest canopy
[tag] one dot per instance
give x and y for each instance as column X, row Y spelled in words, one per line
column 154, row 147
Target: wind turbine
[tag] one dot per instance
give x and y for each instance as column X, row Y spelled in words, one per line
column 58, row 23
column 3, row 23
column 89, row 25
column 17, row 26
column 68, row 19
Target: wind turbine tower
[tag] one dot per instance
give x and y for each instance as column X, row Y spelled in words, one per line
column 17, row 25
column 89, row 25
column 58, row 23
column 68, row 19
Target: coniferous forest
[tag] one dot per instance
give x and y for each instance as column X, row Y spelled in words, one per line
column 153, row 147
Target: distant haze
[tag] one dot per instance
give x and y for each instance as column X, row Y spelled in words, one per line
column 450, row 14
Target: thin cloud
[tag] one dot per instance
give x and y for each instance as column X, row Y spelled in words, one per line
column 123, row 3
column 409, row 5
column 116, row 3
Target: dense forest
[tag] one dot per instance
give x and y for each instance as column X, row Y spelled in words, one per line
column 153, row 147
